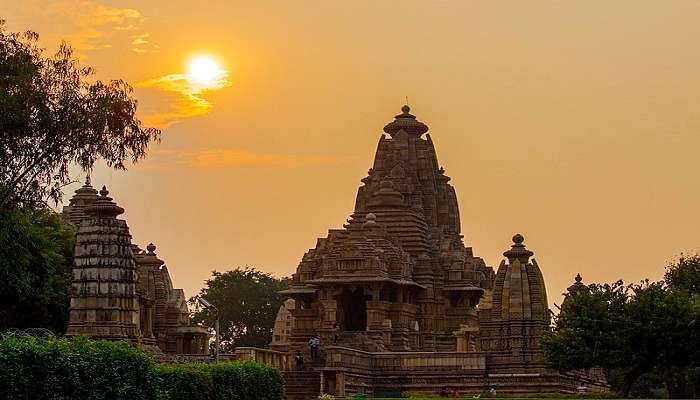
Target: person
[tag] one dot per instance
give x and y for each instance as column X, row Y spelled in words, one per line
column 492, row 391
column 336, row 330
column 299, row 361
column 444, row 392
column 455, row 393
column 314, row 344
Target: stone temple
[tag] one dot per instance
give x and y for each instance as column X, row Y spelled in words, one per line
column 120, row 291
column 399, row 301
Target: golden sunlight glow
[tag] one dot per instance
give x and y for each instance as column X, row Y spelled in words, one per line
column 204, row 71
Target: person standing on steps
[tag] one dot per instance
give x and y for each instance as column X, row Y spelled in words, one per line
column 314, row 345
column 336, row 332
column 299, row 360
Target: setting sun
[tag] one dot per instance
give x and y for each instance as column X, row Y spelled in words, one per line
column 204, row 71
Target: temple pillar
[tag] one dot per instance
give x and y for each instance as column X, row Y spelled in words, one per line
column 148, row 321
column 340, row 384
column 377, row 313
column 197, row 344
column 466, row 338
column 178, row 344
column 330, row 317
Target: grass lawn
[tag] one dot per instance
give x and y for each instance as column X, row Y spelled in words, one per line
column 512, row 397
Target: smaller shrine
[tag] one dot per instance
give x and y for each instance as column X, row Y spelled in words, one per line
column 120, row 291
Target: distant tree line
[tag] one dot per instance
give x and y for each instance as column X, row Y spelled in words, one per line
column 643, row 335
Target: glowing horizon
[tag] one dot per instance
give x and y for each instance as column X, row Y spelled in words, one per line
column 575, row 124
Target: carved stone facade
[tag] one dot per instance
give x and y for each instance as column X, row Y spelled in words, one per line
column 118, row 290
column 512, row 326
column 398, row 283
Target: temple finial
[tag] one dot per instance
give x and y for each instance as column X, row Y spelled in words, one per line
column 104, row 192
column 518, row 250
column 407, row 123
column 87, row 179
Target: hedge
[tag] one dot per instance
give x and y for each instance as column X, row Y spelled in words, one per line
column 220, row 381
column 58, row 369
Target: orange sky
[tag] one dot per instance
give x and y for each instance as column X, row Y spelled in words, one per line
column 574, row 123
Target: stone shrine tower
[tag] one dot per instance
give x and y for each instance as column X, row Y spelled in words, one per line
column 83, row 197
column 104, row 301
column 511, row 328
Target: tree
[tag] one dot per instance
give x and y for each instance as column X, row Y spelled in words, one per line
column 590, row 330
column 247, row 300
column 634, row 329
column 36, row 251
column 684, row 274
column 52, row 116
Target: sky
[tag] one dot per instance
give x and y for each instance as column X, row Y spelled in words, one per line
column 574, row 123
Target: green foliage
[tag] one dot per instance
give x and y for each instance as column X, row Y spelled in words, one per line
column 35, row 269
column 630, row 330
column 53, row 115
column 247, row 300
column 584, row 332
column 32, row 368
column 221, row 381
column 684, row 274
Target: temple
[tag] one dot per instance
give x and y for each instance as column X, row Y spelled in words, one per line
column 399, row 301
column 120, row 291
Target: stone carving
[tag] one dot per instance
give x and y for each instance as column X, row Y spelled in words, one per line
column 118, row 290
column 397, row 280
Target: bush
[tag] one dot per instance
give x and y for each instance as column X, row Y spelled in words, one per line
column 222, row 381
column 51, row 368
column 58, row 369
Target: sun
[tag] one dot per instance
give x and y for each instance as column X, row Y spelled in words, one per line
column 203, row 70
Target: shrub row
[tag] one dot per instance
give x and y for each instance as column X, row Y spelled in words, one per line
column 58, row 369
column 220, row 381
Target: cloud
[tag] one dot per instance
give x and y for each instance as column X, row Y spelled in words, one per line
column 189, row 102
column 87, row 25
column 142, row 44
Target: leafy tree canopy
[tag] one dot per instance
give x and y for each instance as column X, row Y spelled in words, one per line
column 637, row 329
column 36, row 251
column 53, row 116
column 684, row 274
column 247, row 300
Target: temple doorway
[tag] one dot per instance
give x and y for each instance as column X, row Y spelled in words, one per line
column 353, row 304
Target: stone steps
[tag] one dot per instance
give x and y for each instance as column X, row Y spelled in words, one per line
column 302, row 385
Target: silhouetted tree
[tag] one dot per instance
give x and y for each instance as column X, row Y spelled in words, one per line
column 52, row 116
column 247, row 300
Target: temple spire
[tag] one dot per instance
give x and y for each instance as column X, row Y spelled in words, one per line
column 406, row 122
column 103, row 206
column 518, row 250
